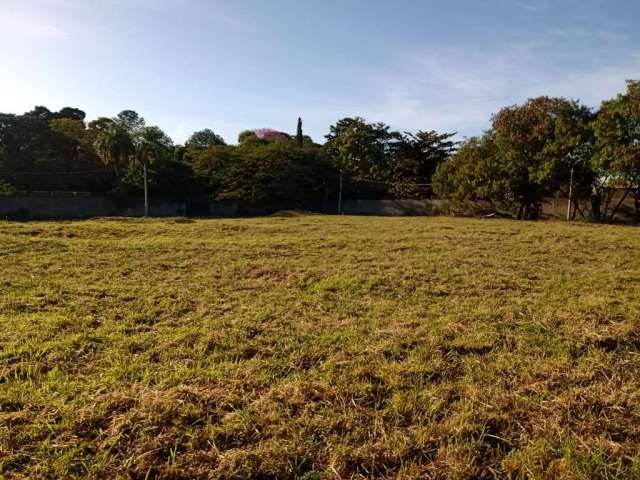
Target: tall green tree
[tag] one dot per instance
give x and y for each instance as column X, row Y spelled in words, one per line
column 531, row 151
column 211, row 166
column 617, row 156
column 274, row 172
column 567, row 159
column 114, row 146
column 202, row 139
column 45, row 150
column 414, row 159
column 359, row 148
column 131, row 122
column 527, row 156
column 150, row 145
column 475, row 172
column 299, row 135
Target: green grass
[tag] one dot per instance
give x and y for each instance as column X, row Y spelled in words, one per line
column 319, row 347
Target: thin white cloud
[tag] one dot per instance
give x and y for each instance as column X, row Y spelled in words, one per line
column 459, row 89
column 444, row 88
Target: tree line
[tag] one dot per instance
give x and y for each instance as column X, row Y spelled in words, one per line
column 549, row 147
column 45, row 150
column 543, row 148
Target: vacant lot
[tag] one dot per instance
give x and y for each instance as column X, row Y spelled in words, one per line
column 319, row 347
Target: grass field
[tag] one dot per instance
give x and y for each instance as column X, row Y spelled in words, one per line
column 319, row 347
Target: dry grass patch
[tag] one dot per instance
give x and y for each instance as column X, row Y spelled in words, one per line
column 319, row 347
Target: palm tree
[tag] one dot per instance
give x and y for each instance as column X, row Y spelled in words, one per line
column 149, row 146
column 145, row 154
column 114, row 147
column 117, row 146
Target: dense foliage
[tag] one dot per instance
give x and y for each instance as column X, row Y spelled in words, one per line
column 385, row 162
column 44, row 150
column 543, row 148
column 546, row 147
column 41, row 150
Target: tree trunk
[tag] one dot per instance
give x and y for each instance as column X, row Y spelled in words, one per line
column 570, row 199
column 607, row 202
column 529, row 211
column 596, row 205
column 576, row 210
column 146, row 191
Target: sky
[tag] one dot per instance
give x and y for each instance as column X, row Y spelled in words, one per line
column 244, row 64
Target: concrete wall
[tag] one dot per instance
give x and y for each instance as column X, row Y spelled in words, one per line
column 80, row 206
column 551, row 208
column 157, row 208
column 35, row 206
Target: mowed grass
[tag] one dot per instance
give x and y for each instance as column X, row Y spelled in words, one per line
column 319, row 347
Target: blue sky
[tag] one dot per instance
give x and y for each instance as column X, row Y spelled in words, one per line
column 234, row 65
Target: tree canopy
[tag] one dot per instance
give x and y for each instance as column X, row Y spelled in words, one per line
column 537, row 149
column 202, row 139
column 542, row 148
